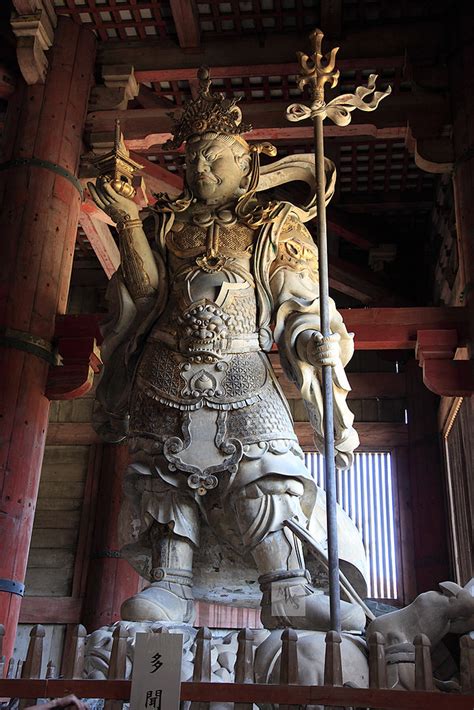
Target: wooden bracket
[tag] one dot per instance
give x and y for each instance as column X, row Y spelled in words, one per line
column 33, row 23
column 120, row 87
column 77, row 339
column 442, row 374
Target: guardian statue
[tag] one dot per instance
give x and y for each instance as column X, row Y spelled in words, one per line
column 207, row 285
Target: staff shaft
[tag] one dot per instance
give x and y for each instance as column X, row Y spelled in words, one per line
column 329, row 451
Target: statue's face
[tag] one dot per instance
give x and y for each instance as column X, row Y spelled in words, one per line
column 215, row 169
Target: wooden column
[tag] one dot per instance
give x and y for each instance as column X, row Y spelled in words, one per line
column 40, row 204
column 426, row 484
column 461, row 57
column 110, row 579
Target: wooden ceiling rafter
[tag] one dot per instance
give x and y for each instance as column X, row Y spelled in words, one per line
column 121, row 19
column 186, row 21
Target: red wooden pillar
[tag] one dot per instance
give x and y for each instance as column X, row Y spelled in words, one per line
column 110, row 578
column 40, row 201
column 426, row 484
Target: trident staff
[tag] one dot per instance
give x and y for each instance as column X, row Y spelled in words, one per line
column 316, row 71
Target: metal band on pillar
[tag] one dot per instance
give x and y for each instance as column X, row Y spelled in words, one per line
column 104, row 554
column 12, row 587
column 47, row 165
column 33, row 344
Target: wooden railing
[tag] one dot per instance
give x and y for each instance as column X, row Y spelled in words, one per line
column 23, row 679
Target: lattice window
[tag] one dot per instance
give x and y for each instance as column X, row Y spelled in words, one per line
column 124, row 19
column 366, row 493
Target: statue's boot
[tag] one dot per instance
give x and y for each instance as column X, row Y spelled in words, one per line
column 288, row 597
column 170, row 595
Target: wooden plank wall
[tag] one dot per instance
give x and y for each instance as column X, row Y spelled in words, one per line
column 56, row 526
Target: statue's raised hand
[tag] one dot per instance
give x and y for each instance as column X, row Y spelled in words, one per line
column 116, row 206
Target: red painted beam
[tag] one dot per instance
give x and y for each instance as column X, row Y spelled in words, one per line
column 247, row 693
column 100, row 238
column 397, row 328
column 186, row 21
column 272, row 69
column 50, row 610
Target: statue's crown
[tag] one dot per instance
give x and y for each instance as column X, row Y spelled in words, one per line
column 208, row 112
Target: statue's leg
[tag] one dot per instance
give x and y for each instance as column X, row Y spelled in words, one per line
column 169, row 597
column 169, row 520
column 289, row 599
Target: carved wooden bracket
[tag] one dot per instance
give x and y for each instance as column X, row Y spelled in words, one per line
column 120, row 86
column 33, row 23
column 435, row 350
column 77, row 339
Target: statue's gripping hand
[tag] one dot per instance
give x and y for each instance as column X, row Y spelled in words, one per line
column 321, row 351
column 116, row 206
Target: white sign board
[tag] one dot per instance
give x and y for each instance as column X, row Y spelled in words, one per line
column 156, row 678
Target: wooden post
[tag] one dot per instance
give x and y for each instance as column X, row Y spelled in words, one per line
column 2, row 657
column 377, row 661
column 423, row 666
column 461, row 56
column 34, row 658
column 332, row 660
column 73, row 659
column 118, row 662
column 288, row 660
column 467, row 664
column 40, row 202
column 202, row 663
column 427, row 489
column 110, row 579
column 244, row 663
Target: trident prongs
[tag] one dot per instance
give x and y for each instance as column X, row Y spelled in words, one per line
column 315, row 72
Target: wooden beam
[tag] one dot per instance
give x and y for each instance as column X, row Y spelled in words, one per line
column 397, row 328
column 50, row 610
column 147, row 98
column 365, row 385
column 71, row 434
column 373, row 435
column 158, row 179
column 431, row 111
column 355, row 281
column 186, row 21
column 359, row 45
column 244, row 693
column 288, row 133
column 101, row 240
column 351, row 229
column 238, row 70
column 374, row 328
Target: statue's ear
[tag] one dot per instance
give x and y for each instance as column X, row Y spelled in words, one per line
column 450, row 589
